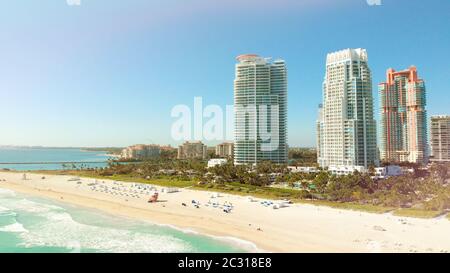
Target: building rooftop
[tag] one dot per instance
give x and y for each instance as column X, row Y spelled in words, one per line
column 245, row 57
column 347, row 54
column 441, row 116
column 251, row 59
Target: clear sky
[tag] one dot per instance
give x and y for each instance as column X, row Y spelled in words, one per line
column 108, row 72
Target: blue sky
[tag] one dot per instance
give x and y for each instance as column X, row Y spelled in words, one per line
column 108, row 72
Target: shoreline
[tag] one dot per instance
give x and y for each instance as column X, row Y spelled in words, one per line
column 298, row 228
column 231, row 241
column 105, row 206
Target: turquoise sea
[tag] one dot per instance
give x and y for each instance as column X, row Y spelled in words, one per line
column 34, row 155
column 29, row 224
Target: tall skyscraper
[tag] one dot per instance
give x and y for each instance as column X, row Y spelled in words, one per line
column 440, row 138
column 403, row 117
column 260, row 106
column 346, row 127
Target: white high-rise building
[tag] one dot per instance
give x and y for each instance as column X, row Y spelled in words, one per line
column 346, row 127
column 260, row 105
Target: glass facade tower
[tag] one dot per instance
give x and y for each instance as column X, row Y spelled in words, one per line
column 260, row 107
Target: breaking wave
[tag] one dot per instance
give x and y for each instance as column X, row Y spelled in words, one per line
column 47, row 224
column 16, row 228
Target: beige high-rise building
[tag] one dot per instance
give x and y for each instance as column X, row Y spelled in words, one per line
column 141, row 151
column 440, row 138
column 192, row 150
column 225, row 150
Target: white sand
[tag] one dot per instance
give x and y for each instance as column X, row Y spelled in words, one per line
column 298, row 228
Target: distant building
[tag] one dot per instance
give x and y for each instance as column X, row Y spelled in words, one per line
column 225, row 150
column 440, row 138
column 403, row 117
column 216, row 161
column 346, row 128
column 391, row 170
column 141, row 152
column 167, row 148
column 346, row 170
column 260, row 108
column 295, row 169
column 192, row 150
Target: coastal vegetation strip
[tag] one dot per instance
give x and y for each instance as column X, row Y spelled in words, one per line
column 108, row 150
column 165, row 182
column 350, row 206
column 417, row 213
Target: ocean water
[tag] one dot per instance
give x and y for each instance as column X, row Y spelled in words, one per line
column 33, row 155
column 29, row 224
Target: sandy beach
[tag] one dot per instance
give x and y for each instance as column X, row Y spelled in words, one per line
column 297, row 228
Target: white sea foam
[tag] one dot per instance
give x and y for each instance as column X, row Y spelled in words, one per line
column 3, row 209
column 25, row 205
column 6, row 212
column 57, row 228
column 16, row 227
column 60, row 230
column 6, row 193
column 237, row 242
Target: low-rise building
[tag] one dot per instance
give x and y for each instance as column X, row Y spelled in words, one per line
column 167, row 172
column 295, row 169
column 391, row 170
column 141, row 151
column 225, row 150
column 346, row 170
column 167, row 148
column 216, row 162
column 192, row 150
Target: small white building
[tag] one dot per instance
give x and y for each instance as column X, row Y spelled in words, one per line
column 391, row 170
column 346, row 170
column 295, row 169
column 216, row 162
